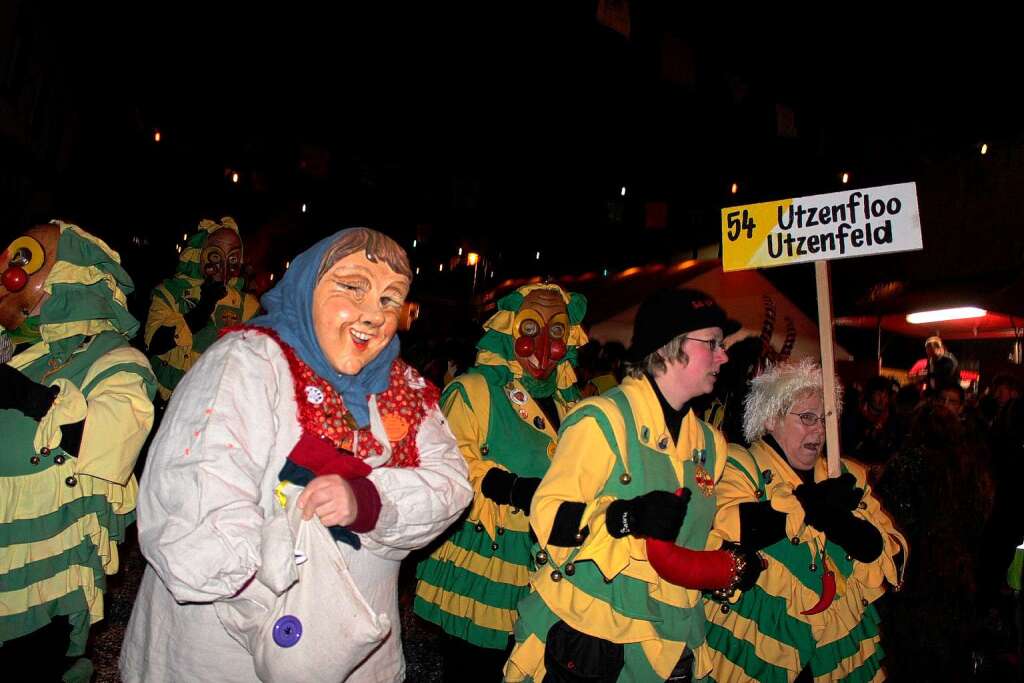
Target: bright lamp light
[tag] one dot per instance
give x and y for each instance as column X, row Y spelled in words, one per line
column 961, row 313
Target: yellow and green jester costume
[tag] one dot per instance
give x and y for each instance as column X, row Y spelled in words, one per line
column 470, row 586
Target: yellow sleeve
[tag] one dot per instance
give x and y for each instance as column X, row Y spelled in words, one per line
column 68, row 407
column 469, row 425
column 164, row 314
column 734, row 489
column 581, row 466
column 119, row 415
column 883, row 569
column 722, row 448
column 250, row 307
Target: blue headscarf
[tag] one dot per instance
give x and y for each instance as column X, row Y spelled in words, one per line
column 289, row 308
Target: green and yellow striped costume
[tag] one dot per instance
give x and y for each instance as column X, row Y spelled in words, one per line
column 618, row 446
column 470, row 586
column 60, row 521
column 762, row 636
column 176, row 296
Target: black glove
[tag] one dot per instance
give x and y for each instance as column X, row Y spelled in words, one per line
column 858, row 537
column 761, row 525
column 162, row 340
column 522, row 492
column 657, row 514
column 18, row 392
column 828, row 499
column 753, row 565
column 210, row 293
column 497, row 485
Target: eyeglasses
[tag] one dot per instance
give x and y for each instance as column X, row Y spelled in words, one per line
column 809, row 419
column 712, row 343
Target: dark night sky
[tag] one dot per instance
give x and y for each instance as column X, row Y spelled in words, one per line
column 510, row 130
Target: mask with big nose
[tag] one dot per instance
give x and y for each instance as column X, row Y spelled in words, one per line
column 24, row 266
column 222, row 256
column 540, row 331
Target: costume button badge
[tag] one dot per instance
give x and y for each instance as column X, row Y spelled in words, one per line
column 71, row 482
column 59, row 459
column 645, row 434
column 542, row 557
column 663, row 443
column 44, row 451
column 34, row 460
column 287, row 631
column 570, row 569
column 556, row 576
column 625, row 478
column 314, row 395
column 538, row 422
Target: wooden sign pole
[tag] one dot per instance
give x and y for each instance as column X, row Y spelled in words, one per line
column 828, row 365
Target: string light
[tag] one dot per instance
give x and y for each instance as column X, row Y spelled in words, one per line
column 984, row 148
column 734, row 189
column 156, row 136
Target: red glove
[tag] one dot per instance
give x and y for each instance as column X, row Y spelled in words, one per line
column 321, row 457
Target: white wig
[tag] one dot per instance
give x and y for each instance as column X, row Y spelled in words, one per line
column 774, row 391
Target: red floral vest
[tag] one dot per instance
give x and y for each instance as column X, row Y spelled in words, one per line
column 402, row 406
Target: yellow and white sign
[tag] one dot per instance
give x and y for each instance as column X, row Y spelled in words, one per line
column 874, row 220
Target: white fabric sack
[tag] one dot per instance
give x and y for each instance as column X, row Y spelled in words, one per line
column 302, row 618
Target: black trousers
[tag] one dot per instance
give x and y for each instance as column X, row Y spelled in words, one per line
column 466, row 662
column 41, row 652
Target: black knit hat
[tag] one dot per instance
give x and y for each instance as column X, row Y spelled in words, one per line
column 671, row 312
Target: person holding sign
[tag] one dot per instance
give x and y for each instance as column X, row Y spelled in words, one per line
column 624, row 511
column 831, row 550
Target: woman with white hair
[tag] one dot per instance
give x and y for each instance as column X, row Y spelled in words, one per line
column 830, row 549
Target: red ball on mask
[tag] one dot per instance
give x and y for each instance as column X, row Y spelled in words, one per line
column 557, row 351
column 15, row 279
column 524, row 346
